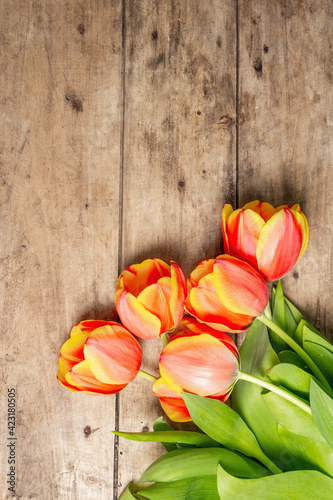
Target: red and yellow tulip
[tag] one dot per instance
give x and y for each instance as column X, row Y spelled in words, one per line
column 198, row 360
column 270, row 239
column 226, row 293
column 150, row 297
column 100, row 357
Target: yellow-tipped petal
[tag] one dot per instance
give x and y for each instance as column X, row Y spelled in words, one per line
column 178, row 294
column 137, row 277
column 156, row 299
column 72, row 349
column 279, row 244
column 135, row 316
column 204, row 303
column 65, row 365
column 303, row 224
column 239, row 286
column 205, row 267
column 82, row 378
column 113, row 357
column 62, row 381
column 265, row 210
column 226, row 212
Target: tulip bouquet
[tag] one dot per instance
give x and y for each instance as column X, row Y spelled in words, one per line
column 274, row 439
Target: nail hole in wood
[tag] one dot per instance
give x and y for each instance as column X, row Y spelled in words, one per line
column 87, row 430
column 258, row 67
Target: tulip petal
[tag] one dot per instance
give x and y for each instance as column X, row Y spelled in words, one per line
column 89, row 325
column 226, row 212
column 172, row 403
column 155, row 298
column 244, row 228
column 279, row 245
column 205, row 267
column 83, row 378
column 175, row 409
column 204, row 303
column 265, row 210
column 200, row 364
column 72, row 349
column 65, row 365
column 303, row 224
column 138, row 276
column 135, row 316
column 191, row 327
column 178, row 294
column 113, row 357
column 239, row 286
column 62, row 381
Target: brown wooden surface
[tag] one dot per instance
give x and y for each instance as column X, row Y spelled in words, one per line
column 122, row 142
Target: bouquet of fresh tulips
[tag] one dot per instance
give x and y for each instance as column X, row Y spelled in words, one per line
column 275, row 439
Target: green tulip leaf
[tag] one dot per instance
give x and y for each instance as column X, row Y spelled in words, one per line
column 181, row 437
column 290, row 322
column 303, row 326
column 291, row 377
column 180, row 464
column 225, row 426
column 292, row 358
column 322, row 411
column 322, row 357
column 312, row 335
column 295, row 485
column 301, row 452
column 193, row 488
column 161, row 426
column 291, row 417
column 288, row 450
column 298, row 316
column 132, row 492
column 279, row 319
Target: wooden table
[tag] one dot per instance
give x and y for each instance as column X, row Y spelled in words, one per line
column 125, row 125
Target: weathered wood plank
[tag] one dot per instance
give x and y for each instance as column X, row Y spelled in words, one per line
column 179, row 159
column 59, row 147
column 285, row 130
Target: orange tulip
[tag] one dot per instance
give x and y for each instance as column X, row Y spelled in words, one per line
column 206, row 364
column 270, row 239
column 226, row 293
column 150, row 297
column 100, row 357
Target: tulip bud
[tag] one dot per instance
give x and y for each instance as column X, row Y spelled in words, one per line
column 100, row 357
column 270, row 239
column 150, row 297
column 226, row 293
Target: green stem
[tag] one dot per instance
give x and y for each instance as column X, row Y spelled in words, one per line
column 281, row 392
column 164, row 338
column 147, row 376
column 297, row 348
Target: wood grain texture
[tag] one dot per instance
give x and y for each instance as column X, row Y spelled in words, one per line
column 179, row 160
column 153, row 114
column 59, row 146
column 286, row 130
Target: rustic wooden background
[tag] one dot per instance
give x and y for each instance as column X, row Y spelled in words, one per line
column 125, row 125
